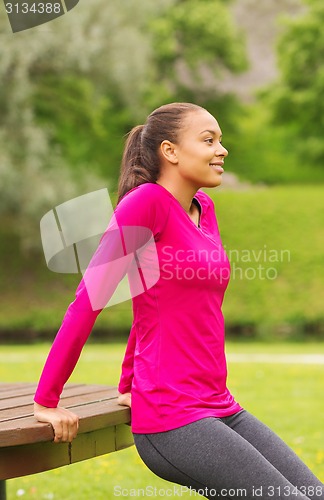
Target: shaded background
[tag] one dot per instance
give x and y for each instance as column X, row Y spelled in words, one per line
column 72, row 88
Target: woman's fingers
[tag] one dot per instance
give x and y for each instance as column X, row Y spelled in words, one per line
column 65, row 423
column 68, row 426
column 65, row 426
column 65, row 429
column 72, row 428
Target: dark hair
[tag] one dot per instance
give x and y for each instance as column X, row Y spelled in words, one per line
column 140, row 162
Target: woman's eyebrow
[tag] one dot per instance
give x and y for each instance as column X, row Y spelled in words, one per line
column 211, row 132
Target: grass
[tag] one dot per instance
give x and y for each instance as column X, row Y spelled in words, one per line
column 287, row 397
column 268, row 152
column 280, row 231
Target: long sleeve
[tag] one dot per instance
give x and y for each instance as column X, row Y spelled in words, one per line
column 66, row 349
column 133, row 221
column 106, row 269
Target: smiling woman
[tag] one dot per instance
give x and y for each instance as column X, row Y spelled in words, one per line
column 187, row 426
column 196, row 154
column 196, row 158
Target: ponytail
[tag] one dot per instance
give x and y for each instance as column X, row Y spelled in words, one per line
column 141, row 162
column 133, row 172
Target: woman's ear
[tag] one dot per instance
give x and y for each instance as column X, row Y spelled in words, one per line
column 168, row 152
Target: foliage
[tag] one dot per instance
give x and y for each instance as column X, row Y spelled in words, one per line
column 72, row 89
column 297, row 97
column 68, row 64
column 86, row 125
column 192, row 35
column 191, row 55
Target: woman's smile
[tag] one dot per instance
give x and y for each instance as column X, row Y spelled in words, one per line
column 217, row 166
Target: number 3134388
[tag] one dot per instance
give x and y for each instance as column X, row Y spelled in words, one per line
column 34, row 8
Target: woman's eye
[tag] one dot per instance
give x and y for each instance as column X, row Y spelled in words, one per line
column 210, row 141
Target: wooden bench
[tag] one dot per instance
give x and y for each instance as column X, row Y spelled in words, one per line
column 27, row 447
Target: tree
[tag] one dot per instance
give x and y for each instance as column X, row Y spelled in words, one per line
column 194, row 42
column 71, row 89
column 197, row 34
column 54, row 101
column 297, row 99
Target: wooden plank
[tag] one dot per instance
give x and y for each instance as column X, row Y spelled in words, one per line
column 102, row 415
column 26, row 395
column 39, row 457
column 4, row 386
column 12, row 392
column 23, row 460
column 17, row 390
column 93, row 416
column 93, row 444
column 13, row 385
column 22, row 407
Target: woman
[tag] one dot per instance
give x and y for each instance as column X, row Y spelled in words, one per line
column 187, row 426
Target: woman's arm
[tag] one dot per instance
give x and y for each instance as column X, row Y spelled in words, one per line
column 109, row 265
column 75, row 329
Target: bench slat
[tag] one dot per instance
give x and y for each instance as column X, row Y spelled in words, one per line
column 13, row 390
column 26, row 390
column 76, row 400
column 15, row 404
column 4, row 387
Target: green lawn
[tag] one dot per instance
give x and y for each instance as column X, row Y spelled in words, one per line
column 287, row 397
column 275, row 240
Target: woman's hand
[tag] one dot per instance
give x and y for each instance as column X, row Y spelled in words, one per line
column 125, row 399
column 64, row 422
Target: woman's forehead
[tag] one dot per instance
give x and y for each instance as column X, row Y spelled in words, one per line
column 200, row 121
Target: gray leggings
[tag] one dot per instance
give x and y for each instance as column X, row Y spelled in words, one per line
column 231, row 457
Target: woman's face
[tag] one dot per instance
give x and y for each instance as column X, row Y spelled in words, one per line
column 200, row 154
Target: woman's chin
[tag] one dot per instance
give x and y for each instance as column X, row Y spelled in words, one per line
column 216, row 182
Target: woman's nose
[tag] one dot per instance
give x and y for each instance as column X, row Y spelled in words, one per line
column 221, row 151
